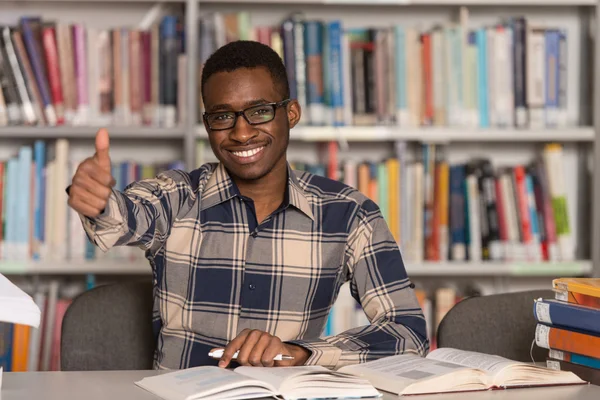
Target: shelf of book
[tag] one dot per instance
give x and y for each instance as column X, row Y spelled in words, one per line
column 423, row 269
column 81, row 132
column 416, row 2
column 434, row 134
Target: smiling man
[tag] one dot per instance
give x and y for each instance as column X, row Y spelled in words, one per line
column 247, row 254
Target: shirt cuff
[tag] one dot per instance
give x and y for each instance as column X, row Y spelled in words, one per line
column 323, row 352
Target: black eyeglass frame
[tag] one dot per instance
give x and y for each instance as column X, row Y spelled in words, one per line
column 275, row 106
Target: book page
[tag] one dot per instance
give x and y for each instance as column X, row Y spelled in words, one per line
column 412, row 374
column 405, row 366
column 277, row 376
column 470, row 359
column 16, row 306
column 201, row 382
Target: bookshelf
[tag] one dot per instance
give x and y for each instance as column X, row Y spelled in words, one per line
column 85, row 132
column 434, row 135
column 417, row 270
column 358, row 13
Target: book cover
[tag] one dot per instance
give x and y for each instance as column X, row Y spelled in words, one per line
column 566, row 315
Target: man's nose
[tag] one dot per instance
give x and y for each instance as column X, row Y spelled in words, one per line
column 243, row 131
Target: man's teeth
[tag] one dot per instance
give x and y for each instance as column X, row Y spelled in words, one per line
column 247, row 153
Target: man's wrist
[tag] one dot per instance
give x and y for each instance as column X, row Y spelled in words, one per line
column 300, row 354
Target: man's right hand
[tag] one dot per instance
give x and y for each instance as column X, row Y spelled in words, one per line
column 93, row 181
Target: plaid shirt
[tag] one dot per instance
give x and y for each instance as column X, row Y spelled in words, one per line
column 217, row 271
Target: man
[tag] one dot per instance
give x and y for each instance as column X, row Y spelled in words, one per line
column 248, row 254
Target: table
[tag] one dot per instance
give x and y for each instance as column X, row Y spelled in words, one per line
column 118, row 385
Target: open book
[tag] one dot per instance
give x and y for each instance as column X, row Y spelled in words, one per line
column 256, row 382
column 451, row 370
column 443, row 370
column 16, row 306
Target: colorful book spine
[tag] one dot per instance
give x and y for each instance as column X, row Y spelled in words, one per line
column 569, row 316
column 561, row 339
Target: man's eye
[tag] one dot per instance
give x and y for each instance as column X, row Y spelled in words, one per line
column 222, row 117
column 261, row 111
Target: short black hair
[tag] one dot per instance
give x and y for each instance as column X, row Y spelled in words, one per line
column 247, row 54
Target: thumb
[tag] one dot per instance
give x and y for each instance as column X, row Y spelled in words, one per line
column 102, row 146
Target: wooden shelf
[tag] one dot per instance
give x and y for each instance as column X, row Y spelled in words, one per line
column 427, row 269
column 434, row 135
column 83, row 132
column 565, row 3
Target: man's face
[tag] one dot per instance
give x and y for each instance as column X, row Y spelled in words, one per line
column 249, row 152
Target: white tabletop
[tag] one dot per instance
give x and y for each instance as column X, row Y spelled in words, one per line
column 119, row 385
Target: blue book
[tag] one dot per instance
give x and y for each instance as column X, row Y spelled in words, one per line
column 12, row 200
column 567, row 315
column 552, row 83
column 336, row 72
column 458, row 230
column 289, row 55
column 313, row 50
column 6, row 345
column 533, row 215
column 482, row 78
column 39, row 157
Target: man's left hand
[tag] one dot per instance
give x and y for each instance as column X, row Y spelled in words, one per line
column 258, row 348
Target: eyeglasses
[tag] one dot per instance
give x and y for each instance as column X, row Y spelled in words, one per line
column 255, row 115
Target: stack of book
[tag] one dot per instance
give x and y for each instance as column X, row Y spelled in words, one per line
column 69, row 74
column 512, row 73
column 36, row 222
column 469, row 211
column 569, row 327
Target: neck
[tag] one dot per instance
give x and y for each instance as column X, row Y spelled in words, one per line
column 268, row 191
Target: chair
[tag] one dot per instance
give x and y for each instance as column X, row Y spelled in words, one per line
column 501, row 324
column 109, row 328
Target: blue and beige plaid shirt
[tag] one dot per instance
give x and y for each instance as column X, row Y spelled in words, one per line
column 217, row 271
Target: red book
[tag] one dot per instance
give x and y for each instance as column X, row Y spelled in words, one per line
column 522, row 204
column 146, row 39
column 427, row 79
column 332, row 165
column 263, row 34
column 61, row 309
column 501, row 212
column 52, row 63
column 433, row 241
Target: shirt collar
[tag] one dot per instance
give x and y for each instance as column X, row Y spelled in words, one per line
column 221, row 188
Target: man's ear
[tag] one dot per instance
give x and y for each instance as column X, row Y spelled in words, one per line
column 294, row 112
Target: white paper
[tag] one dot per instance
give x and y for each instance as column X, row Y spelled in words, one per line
column 542, row 336
column 16, row 306
column 484, row 362
column 542, row 311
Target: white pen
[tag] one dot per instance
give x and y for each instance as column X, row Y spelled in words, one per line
column 219, row 353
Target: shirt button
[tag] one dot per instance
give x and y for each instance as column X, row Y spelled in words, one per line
column 254, row 234
column 252, row 286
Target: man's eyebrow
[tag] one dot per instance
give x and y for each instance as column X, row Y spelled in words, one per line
column 229, row 107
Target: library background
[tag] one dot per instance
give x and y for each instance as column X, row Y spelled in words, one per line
column 471, row 124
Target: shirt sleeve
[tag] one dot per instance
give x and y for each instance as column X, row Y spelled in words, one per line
column 141, row 215
column 378, row 281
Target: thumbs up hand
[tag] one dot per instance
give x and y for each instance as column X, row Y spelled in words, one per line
column 92, row 183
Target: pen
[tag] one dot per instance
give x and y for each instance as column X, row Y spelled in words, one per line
column 219, row 354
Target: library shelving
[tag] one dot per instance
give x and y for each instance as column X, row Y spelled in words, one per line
column 86, row 132
column 434, row 134
column 425, row 269
column 583, row 136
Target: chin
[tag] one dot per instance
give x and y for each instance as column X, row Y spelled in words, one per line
column 247, row 173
